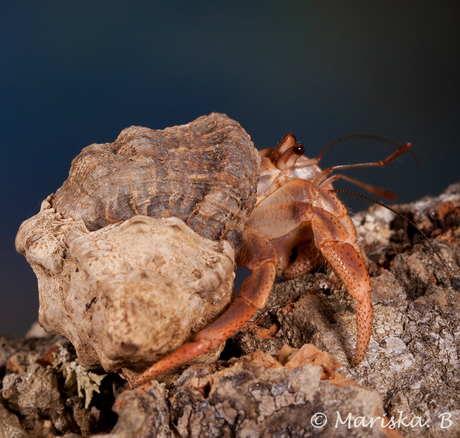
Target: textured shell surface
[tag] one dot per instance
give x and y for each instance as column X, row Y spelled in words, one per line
column 204, row 172
column 135, row 252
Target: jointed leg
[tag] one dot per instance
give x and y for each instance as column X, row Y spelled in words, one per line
column 259, row 255
column 349, row 266
column 347, row 263
column 306, row 260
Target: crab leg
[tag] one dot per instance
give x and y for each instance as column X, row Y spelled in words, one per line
column 330, row 238
column 259, row 255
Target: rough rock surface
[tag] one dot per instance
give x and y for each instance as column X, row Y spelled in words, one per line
column 46, row 393
column 299, row 393
column 413, row 359
column 411, row 371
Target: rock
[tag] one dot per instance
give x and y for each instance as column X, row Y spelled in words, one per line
column 256, row 396
column 44, row 387
column 10, row 427
column 142, row 414
column 413, row 360
column 272, row 384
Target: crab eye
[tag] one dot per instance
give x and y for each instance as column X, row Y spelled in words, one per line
column 298, row 149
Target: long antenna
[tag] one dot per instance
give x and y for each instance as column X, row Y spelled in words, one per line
column 402, row 216
column 369, row 136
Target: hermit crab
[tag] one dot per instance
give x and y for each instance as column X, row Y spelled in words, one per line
column 135, row 254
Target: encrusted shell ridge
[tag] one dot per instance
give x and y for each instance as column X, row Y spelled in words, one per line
column 136, row 251
column 204, row 172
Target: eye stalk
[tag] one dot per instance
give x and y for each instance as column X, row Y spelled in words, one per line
column 288, row 158
column 288, row 152
column 286, row 143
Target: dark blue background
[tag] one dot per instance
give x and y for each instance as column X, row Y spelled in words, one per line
column 76, row 73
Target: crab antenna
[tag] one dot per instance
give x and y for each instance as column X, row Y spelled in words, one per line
column 375, row 190
column 402, row 216
column 379, row 163
column 369, row 136
column 322, row 179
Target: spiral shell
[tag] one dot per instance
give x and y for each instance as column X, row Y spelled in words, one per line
column 204, row 172
column 136, row 251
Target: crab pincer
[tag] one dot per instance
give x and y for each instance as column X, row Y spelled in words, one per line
column 297, row 222
column 135, row 253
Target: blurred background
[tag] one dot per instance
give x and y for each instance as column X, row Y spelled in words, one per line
column 76, row 73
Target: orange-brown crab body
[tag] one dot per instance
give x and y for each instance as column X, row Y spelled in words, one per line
column 302, row 215
column 296, row 219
